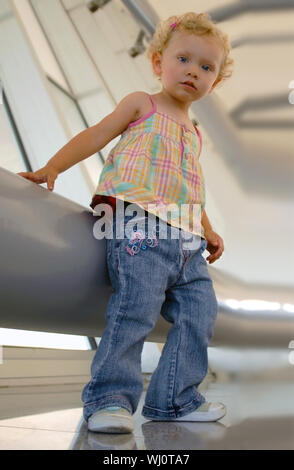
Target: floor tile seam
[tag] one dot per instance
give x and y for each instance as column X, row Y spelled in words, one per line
column 37, row 429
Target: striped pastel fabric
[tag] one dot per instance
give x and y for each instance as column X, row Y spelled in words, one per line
column 156, row 165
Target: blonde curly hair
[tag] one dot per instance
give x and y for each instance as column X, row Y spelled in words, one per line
column 201, row 24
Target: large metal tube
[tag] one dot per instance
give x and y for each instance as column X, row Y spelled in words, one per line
column 53, row 273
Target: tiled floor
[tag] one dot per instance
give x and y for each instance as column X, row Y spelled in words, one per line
column 43, row 417
column 255, row 420
column 260, row 415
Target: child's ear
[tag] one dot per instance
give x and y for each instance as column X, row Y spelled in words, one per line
column 218, row 80
column 156, row 63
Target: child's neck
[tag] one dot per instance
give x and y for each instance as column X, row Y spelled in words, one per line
column 174, row 105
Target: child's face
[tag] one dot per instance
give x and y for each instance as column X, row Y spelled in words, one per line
column 188, row 57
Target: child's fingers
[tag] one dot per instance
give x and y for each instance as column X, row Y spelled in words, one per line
column 39, row 177
column 212, row 258
column 50, row 182
column 29, row 174
column 216, row 255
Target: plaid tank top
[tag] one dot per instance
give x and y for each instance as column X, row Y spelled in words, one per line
column 156, row 165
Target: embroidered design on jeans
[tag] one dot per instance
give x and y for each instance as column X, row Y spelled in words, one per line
column 138, row 241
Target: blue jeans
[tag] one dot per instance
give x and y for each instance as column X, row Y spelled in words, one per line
column 150, row 276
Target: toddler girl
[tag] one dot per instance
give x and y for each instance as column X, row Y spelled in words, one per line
column 155, row 166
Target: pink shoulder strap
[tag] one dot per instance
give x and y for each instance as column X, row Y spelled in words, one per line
column 143, row 118
column 153, row 104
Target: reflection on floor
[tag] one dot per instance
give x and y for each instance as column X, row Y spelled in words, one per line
column 260, row 415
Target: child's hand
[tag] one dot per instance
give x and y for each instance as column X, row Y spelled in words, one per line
column 215, row 246
column 46, row 174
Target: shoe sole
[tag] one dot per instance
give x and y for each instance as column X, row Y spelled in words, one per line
column 201, row 417
column 112, row 427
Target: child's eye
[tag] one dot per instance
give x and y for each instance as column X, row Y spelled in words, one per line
column 182, row 57
column 207, row 68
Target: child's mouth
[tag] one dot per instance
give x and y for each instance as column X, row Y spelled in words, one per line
column 189, row 85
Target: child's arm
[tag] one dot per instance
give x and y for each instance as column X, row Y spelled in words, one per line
column 205, row 222
column 89, row 141
column 215, row 243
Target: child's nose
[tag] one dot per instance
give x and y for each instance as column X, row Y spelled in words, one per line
column 193, row 71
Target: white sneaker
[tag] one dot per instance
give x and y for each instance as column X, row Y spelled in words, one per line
column 112, row 419
column 206, row 412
